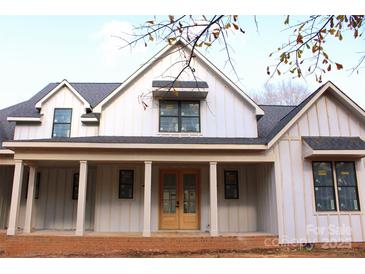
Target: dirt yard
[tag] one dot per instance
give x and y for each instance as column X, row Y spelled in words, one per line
column 282, row 252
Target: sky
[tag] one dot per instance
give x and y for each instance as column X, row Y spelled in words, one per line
column 36, row 50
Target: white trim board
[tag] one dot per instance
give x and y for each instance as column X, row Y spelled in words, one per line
column 41, row 144
column 24, row 119
column 57, row 88
column 329, row 86
column 158, row 56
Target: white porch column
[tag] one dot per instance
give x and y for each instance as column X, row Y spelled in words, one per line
column 15, row 197
column 81, row 201
column 30, row 200
column 147, row 199
column 213, row 199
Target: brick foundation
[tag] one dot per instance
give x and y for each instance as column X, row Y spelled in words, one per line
column 90, row 246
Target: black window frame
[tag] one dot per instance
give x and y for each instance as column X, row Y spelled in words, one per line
column 335, row 209
column 236, row 184
column 179, row 116
column 356, row 186
column 54, row 123
column 335, row 186
column 130, row 184
column 75, row 186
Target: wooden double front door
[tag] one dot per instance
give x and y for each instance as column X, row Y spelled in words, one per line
column 179, row 199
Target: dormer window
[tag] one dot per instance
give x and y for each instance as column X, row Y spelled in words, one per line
column 62, row 122
column 179, row 116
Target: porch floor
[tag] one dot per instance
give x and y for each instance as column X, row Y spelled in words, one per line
column 172, row 233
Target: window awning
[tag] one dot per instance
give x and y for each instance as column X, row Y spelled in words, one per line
column 197, row 90
column 314, row 147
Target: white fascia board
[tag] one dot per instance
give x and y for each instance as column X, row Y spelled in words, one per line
column 341, row 95
column 323, row 89
column 98, row 107
column 88, row 119
column 24, row 119
column 57, row 88
column 342, row 153
column 6, row 151
column 75, row 145
column 258, row 110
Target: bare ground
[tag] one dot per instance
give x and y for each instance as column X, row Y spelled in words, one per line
column 282, row 252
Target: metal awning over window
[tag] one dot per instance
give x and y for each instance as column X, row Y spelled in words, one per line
column 333, row 146
column 196, row 90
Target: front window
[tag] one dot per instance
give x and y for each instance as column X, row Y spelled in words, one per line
column 179, row 116
column 347, row 186
column 231, row 184
column 339, row 176
column 126, row 180
column 62, row 122
column 324, row 190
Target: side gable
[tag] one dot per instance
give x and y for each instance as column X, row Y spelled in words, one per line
column 293, row 116
column 164, row 54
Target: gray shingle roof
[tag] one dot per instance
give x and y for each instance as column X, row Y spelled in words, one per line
column 154, row 140
column 273, row 114
column 335, row 143
column 290, row 115
column 179, row 84
column 6, row 128
column 93, row 93
column 275, row 118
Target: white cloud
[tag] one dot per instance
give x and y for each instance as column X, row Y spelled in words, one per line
column 113, row 41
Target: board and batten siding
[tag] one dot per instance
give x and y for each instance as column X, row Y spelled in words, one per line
column 111, row 213
column 55, row 209
column 63, row 98
column 254, row 211
column 298, row 219
column 224, row 113
column 6, row 183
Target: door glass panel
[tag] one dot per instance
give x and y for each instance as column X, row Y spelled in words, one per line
column 169, row 193
column 189, row 184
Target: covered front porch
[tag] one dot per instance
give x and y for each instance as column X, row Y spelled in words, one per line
column 173, row 194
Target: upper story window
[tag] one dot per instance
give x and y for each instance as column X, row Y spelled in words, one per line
column 339, row 176
column 179, row 116
column 62, row 122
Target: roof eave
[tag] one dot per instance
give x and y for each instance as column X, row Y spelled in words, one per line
column 13, row 145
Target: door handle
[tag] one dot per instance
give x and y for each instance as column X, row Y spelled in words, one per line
column 177, row 204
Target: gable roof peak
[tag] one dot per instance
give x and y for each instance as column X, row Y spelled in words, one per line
column 63, row 83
